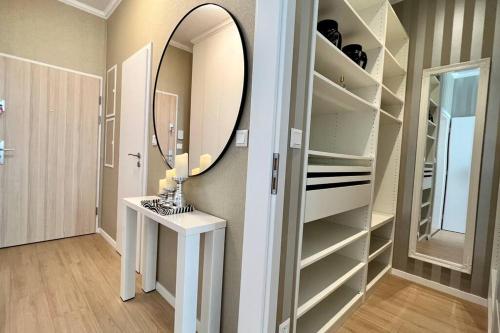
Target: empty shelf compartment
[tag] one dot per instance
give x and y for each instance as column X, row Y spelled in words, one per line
column 377, row 246
column 326, row 236
column 319, row 280
column 376, row 270
column 326, row 313
column 379, row 219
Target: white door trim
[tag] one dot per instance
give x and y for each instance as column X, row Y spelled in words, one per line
column 99, row 126
column 271, row 73
column 144, row 160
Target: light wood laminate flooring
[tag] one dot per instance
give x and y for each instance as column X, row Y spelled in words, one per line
column 397, row 305
column 73, row 285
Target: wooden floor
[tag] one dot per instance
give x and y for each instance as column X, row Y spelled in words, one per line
column 445, row 245
column 72, row 285
column 397, row 305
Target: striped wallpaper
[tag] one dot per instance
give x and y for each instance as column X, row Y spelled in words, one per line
column 445, row 32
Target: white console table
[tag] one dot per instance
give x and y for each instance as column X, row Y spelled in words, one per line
column 189, row 227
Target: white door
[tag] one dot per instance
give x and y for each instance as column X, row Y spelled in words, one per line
column 135, row 105
column 459, row 170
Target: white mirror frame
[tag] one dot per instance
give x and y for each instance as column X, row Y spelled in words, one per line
column 482, row 94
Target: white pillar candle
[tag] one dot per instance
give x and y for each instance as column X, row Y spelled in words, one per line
column 181, row 165
column 195, row 171
column 205, row 161
column 169, row 176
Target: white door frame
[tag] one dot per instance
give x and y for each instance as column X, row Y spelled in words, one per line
column 144, row 161
column 99, row 128
column 270, row 105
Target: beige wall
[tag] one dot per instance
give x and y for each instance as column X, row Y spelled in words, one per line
column 54, row 33
column 475, row 27
column 221, row 191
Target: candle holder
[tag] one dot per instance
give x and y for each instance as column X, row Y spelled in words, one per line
column 179, row 200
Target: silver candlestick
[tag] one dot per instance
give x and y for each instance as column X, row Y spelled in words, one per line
column 179, row 200
column 170, row 196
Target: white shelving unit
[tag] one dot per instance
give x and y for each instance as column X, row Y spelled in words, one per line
column 353, row 143
column 424, row 229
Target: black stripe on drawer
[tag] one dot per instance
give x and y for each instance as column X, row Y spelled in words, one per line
column 336, row 174
column 333, row 185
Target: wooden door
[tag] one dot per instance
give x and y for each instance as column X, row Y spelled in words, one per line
column 166, row 123
column 48, row 185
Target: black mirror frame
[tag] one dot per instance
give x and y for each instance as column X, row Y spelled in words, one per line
column 243, row 94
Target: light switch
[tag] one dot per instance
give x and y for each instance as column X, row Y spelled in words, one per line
column 242, row 138
column 180, row 134
column 295, row 138
column 153, row 140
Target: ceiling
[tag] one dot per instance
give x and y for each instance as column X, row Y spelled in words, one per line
column 199, row 22
column 101, row 8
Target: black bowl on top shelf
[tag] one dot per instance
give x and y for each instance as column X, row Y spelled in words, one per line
column 355, row 53
column 330, row 29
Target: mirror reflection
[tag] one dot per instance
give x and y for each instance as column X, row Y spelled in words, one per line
column 199, row 88
column 444, row 210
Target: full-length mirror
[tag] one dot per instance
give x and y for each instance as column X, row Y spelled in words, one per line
column 200, row 88
column 451, row 124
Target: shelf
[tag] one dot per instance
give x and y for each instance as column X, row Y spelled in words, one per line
column 354, row 29
column 395, row 30
column 433, row 103
column 331, row 62
column 424, row 221
column 380, row 219
column 376, row 271
column 329, row 311
column 389, row 98
column 390, row 117
column 316, row 153
column 329, row 97
column 431, row 123
column 422, row 237
column 377, row 246
column 431, row 137
column 320, row 280
column 434, row 81
column 391, row 66
column 337, row 168
column 426, row 204
column 323, row 238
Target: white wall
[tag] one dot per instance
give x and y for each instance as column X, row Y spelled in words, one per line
column 216, row 90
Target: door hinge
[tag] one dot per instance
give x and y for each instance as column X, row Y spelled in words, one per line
column 97, row 211
column 100, row 100
column 274, row 180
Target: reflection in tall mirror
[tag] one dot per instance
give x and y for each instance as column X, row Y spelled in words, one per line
column 448, row 163
column 200, row 88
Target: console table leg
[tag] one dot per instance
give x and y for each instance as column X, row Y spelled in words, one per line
column 129, row 239
column 213, row 264
column 186, row 289
column 150, row 254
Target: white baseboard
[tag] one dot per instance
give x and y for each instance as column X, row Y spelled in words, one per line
column 167, row 295
column 441, row 287
column 107, row 237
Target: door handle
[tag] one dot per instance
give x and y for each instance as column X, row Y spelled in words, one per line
column 138, row 156
column 2, row 152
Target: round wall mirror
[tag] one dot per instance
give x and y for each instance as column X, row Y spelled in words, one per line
column 200, row 88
